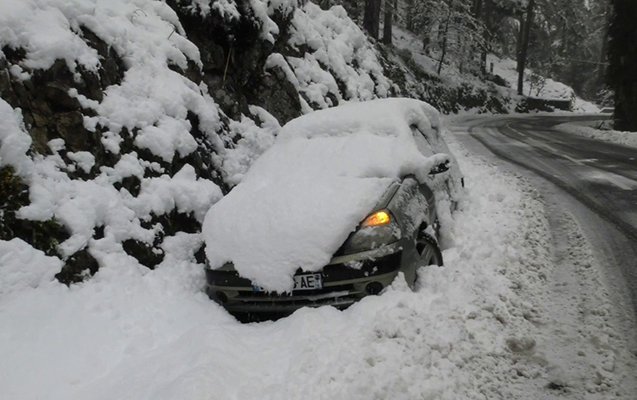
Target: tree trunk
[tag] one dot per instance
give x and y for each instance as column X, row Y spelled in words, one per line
column 371, row 17
column 387, row 24
column 524, row 46
column 622, row 58
column 520, row 39
column 603, row 53
column 409, row 20
column 445, row 34
column 477, row 8
column 483, row 11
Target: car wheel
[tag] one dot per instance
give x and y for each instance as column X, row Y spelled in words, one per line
column 429, row 254
column 428, row 250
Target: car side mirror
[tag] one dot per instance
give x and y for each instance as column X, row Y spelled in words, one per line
column 440, row 168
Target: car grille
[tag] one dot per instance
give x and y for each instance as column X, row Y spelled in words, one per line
column 296, row 294
column 343, row 286
column 343, row 295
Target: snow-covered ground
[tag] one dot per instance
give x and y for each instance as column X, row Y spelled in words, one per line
column 591, row 130
column 537, row 86
column 472, row 330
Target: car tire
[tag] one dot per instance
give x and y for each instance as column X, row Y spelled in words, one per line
column 428, row 250
column 430, row 254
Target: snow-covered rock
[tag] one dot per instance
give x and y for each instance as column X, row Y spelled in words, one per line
column 128, row 120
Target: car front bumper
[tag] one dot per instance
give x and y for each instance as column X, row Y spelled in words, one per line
column 346, row 280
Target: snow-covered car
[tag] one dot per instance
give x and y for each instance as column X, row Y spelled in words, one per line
column 343, row 201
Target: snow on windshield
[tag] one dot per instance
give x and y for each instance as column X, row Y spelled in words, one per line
column 302, row 198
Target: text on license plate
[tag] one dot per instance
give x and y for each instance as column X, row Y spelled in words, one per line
column 308, row 282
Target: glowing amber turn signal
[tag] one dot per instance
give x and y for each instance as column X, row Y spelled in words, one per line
column 377, row 219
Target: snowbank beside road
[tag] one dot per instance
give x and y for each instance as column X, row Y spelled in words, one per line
column 468, row 332
column 617, row 137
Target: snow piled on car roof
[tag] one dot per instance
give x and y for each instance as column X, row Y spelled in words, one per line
column 310, row 190
column 383, row 117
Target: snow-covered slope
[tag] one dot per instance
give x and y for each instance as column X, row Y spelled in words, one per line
column 119, row 124
column 538, row 86
column 455, row 90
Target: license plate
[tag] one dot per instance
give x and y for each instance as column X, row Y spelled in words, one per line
column 308, row 282
column 301, row 282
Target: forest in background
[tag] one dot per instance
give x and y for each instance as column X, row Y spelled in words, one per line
column 561, row 39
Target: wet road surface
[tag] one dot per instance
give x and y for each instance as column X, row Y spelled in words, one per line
column 600, row 176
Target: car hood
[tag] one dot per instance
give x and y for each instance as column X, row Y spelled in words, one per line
column 303, row 197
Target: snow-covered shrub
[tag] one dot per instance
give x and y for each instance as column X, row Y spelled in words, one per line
column 335, row 60
column 126, row 120
column 111, row 135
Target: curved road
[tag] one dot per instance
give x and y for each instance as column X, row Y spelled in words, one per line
column 596, row 178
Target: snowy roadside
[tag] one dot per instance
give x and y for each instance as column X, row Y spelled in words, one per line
column 617, row 137
column 537, row 86
column 470, row 331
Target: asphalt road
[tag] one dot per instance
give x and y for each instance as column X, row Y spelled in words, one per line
column 596, row 179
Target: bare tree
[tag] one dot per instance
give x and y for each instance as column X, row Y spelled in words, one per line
column 454, row 28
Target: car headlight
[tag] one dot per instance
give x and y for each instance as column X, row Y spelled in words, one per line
column 378, row 229
column 379, row 218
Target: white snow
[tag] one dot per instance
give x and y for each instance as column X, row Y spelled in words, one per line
column 338, row 51
column 22, row 267
column 148, row 37
column 593, row 131
column 254, row 141
column 170, row 136
column 183, row 192
column 545, row 88
column 133, row 333
column 14, row 142
column 152, row 102
column 323, row 175
column 83, row 159
column 130, row 333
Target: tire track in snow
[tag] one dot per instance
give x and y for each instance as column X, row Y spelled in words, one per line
column 582, row 344
column 585, row 356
